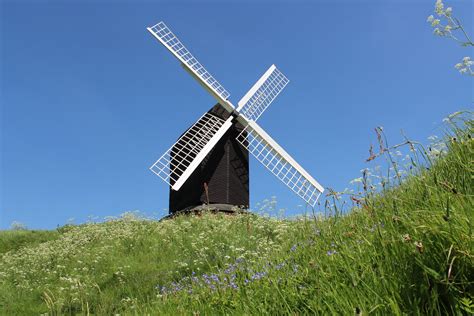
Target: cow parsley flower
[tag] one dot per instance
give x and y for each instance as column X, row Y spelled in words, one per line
column 435, row 22
column 448, row 11
column 439, row 7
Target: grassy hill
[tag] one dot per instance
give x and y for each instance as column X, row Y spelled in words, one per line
column 404, row 249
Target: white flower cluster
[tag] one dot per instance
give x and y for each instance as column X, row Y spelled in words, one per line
column 440, row 29
column 445, row 25
column 465, row 66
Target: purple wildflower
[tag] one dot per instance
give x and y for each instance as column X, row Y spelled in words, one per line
column 258, row 275
column 279, row 266
column 295, row 268
column 214, row 278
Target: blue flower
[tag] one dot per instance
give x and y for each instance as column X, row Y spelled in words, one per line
column 214, row 277
column 279, row 266
column 258, row 275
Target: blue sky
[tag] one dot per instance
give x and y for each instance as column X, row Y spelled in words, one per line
column 89, row 100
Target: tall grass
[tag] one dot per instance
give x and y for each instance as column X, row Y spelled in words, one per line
column 403, row 249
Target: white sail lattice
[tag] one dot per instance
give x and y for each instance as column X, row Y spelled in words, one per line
column 174, row 45
column 177, row 160
column 263, row 92
column 280, row 163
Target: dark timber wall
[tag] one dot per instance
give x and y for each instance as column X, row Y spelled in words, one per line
column 225, row 171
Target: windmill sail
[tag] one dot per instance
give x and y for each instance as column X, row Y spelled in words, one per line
column 263, row 92
column 178, row 163
column 280, row 163
column 190, row 63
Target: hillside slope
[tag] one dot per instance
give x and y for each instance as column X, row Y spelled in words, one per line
column 406, row 249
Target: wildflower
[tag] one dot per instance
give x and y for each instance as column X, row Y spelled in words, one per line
column 437, row 31
column 430, row 19
column 448, row 28
column 331, row 252
column 258, row 275
column 406, row 238
column 358, row 201
column 467, row 61
column 279, row 266
column 419, row 246
column 439, row 7
column 435, row 22
column 214, row 278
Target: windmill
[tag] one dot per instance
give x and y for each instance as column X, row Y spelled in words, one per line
column 208, row 164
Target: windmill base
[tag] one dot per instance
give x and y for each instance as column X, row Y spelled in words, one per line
column 213, row 208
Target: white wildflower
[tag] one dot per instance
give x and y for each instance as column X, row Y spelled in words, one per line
column 447, row 28
column 439, row 7
column 435, row 22
column 430, row 19
column 448, row 11
column 458, row 66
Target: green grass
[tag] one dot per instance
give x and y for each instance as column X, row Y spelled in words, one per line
column 16, row 239
column 407, row 249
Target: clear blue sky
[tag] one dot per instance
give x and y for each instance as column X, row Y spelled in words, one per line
column 89, row 100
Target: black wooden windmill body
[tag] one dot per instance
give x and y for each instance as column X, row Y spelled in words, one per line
column 209, row 163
